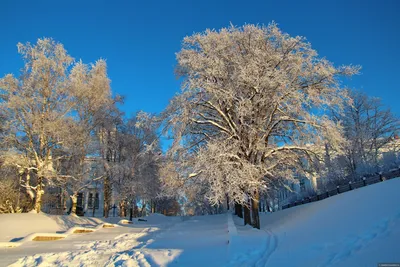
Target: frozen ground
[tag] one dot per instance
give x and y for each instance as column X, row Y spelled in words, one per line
column 359, row 228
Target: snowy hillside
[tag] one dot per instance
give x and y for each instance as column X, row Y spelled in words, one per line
column 358, row 228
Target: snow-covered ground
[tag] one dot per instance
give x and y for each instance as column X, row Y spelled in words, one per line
column 17, row 226
column 358, row 228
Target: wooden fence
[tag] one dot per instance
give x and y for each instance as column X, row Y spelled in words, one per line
column 347, row 187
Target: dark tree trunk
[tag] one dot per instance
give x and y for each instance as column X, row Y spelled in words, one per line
column 238, row 210
column 94, row 208
column 247, row 218
column 255, row 210
column 143, row 210
column 227, row 202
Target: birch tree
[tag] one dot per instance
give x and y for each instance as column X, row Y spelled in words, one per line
column 252, row 103
column 41, row 106
column 91, row 87
column 109, row 138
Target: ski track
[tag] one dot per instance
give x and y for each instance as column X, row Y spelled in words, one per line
column 353, row 244
column 272, row 244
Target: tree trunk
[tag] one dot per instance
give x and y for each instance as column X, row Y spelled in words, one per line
column 238, row 210
column 94, row 206
column 39, row 194
column 255, row 210
column 74, row 199
column 122, row 209
column 143, row 210
column 107, row 196
column 247, row 218
column 227, row 202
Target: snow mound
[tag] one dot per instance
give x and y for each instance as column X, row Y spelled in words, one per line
column 16, row 226
column 19, row 225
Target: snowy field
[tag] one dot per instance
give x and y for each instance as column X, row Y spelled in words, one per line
column 358, row 228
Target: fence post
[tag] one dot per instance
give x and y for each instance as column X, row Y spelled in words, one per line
column 364, row 181
column 337, row 188
column 350, row 186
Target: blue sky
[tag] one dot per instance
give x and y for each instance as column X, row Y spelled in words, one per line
column 139, row 39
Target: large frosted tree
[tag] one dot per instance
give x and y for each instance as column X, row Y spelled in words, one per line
column 252, row 104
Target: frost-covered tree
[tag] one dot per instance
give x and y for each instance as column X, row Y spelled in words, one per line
column 43, row 107
column 252, row 103
column 92, row 92
column 369, row 127
column 138, row 172
column 110, row 143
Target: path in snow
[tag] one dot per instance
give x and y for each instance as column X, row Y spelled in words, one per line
column 250, row 247
column 198, row 241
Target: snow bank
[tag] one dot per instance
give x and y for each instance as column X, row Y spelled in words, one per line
column 15, row 227
column 358, row 228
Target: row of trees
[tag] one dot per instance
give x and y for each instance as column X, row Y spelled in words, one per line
column 61, row 128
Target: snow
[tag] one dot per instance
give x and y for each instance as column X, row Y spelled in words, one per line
column 357, row 228
column 16, row 226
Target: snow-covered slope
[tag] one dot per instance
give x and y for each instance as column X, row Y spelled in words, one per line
column 358, row 228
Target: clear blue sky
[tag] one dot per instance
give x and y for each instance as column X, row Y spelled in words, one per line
column 139, row 39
